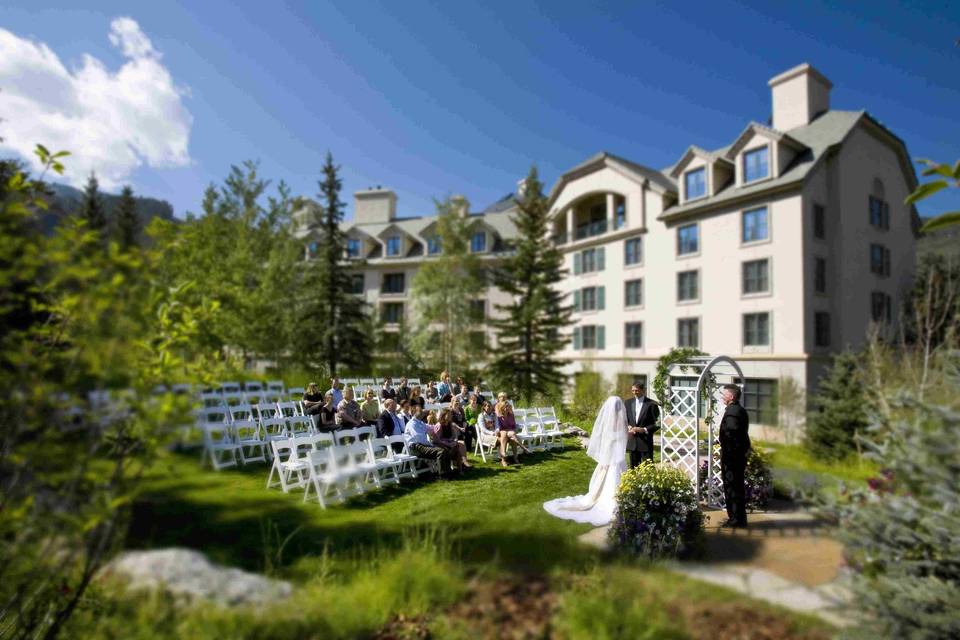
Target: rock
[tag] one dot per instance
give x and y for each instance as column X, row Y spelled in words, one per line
column 188, row 574
column 575, row 431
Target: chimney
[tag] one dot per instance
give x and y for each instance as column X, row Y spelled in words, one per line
column 461, row 205
column 799, row 95
column 521, row 188
column 374, row 205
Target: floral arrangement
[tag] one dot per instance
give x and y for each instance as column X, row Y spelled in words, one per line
column 757, row 477
column 657, row 513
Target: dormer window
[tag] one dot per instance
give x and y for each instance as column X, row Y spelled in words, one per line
column 353, row 248
column 478, row 243
column 756, row 164
column 393, row 246
column 433, row 245
column 695, row 183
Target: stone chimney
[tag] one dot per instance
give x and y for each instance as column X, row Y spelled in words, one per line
column 374, row 205
column 461, row 205
column 521, row 188
column 799, row 95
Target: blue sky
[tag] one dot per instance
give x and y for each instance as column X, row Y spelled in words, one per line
column 431, row 99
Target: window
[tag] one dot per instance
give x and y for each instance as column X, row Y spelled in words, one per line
column 759, row 398
column 820, row 275
column 756, row 164
column 819, row 222
column 595, row 224
column 755, row 226
column 392, row 312
column 312, row 249
column 688, row 239
column 756, row 329
column 589, row 299
column 881, row 305
column 619, row 213
column 392, row 283
column 821, row 329
column 688, row 286
column 688, row 332
column 393, row 246
column 356, row 283
column 879, row 213
column 478, row 243
column 588, row 260
column 756, row 276
column 695, row 183
column 879, row 260
column 433, row 245
column 633, row 251
column 477, row 341
column 633, row 293
column 353, row 248
column 588, row 337
column 478, row 310
column 633, row 335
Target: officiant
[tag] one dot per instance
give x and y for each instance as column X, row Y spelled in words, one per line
column 643, row 420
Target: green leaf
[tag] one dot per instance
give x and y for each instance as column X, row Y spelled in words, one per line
column 945, row 220
column 925, row 191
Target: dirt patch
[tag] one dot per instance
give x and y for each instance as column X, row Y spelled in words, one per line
column 735, row 621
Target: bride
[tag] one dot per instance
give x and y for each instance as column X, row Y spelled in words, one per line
column 608, row 446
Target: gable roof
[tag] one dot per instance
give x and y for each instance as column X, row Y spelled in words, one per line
column 696, row 152
column 768, row 132
column 604, row 159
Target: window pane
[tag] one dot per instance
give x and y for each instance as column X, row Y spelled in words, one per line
column 353, row 247
column 821, row 329
column 433, row 244
column 688, row 285
column 392, row 312
column 755, row 225
column 632, row 251
column 756, row 329
column 756, row 276
column 393, row 246
column 688, row 332
column 633, row 293
column 819, row 221
column 695, row 183
column 393, row 283
column 688, row 240
column 633, row 335
column 588, row 336
column 759, row 398
column 356, row 283
column 479, row 242
column 755, row 164
column 620, row 213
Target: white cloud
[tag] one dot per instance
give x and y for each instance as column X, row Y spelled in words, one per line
column 111, row 121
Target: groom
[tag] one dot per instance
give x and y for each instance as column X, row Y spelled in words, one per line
column 643, row 420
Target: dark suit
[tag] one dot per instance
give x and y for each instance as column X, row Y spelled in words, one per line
column 388, row 393
column 734, row 445
column 387, row 427
column 640, row 446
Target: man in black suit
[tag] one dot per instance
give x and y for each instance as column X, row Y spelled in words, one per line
column 389, row 423
column 734, row 445
column 643, row 420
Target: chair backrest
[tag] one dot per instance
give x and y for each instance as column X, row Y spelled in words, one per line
column 264, row 410
column 233, row 398
column 241, row 411
column 432, row 406
column 214, row 415
column 346, row 436
column 275, row 386
column 283, row 449
column 295, row 393
column 322, row 460
column 413, row 381
column 182, row 387
column 253, row 386
column 300, row 425
column 519, row 414
column 366, row 433
column 253, row 398
column 217, row 433
column 546, row 411
column 380, row 448
column 367, row 382
column 274, row 427
column 246, row 429
column 211, row 399
column 398, row 440
column 230, row 387
column 531, row 422
column 322, row 440
column 350, row 382
column 359, row 453
column 288, row 409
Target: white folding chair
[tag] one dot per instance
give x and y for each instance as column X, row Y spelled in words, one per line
column 367, row 382
column 288, row 409
column 242, row 411
column 300, row 425
column 275, row 386
column 295, row 394
column 252, row 398
column 231, row 399
column 408, row 462
column 366, row 433
column 249, row 441
column 532, row 432
column 361, row 457
column 213, row 415
column 253, row 386
column 211, row 399
column 386, row 464
column 273, row 429
column 551, row 427
column 230, row 387
column 487, row 442
column 323, row 477
column 219, row 445
column 286, row 462
column 345, row 437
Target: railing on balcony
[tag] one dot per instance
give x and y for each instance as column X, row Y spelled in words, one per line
column 559, row 238
column 591, row 229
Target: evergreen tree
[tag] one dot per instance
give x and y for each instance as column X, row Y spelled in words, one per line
column 128, row 224
column 335, row 317
column 531, row 332
column 92, row 210
column 443, row 290
column 841, row 415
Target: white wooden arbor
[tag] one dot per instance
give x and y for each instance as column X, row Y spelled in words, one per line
column 691, row 407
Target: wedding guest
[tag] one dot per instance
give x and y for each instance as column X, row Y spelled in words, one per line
column 335, row 390
column 431, row 417
column 470, row 414
column 445, row 434
column 416, row 434
column 403, row 391
column 370, row 408
column 387, row 392
column 508, row 430
column 327, row 414
column 349, row 414
column 459, row 387
column 431, row 392
column 405, row 411
column 417, row 401
column 389, row 423
column 734, row 446
column 487, row 419
column 444, row 389
column 459, row 418
column 312, row 400
column 479, row 394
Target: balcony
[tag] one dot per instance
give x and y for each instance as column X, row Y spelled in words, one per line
column 559, row 238
column 591, row 229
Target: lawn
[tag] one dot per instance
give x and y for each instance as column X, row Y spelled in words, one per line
column 471, row 557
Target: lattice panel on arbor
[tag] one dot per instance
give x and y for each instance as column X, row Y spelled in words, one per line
column 714, row 489
column 678, row 431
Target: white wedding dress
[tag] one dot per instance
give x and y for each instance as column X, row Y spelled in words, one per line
column 608, row 446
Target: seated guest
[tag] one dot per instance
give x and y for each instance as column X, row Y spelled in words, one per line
column 459, row 419
column 349, row 414
column 370, row 408
column 508, row 430
column 432, row 392
column 445, row 435
column 470, row 414
column 417, row 402
column 487, row 419
column 459, row 387
column 431, row 417
column 312, row 400
column 335, row 390
column 416, row 435
column 405, row 411
column 389, row 423
column 327, row 414
column 480, row 398
column 403, row 391
column 387, row 392
column 444, row 389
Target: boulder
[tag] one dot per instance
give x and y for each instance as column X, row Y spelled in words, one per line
column 189, row 574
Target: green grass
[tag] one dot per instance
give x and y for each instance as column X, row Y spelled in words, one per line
column 795, row 470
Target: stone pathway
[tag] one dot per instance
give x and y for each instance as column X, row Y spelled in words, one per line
column 785, row 557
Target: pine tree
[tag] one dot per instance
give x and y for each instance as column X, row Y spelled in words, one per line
column 531, row 332
column 128, row 224
column 336, row 316
column 443, row 290
column 841, row 414
column 92, row 210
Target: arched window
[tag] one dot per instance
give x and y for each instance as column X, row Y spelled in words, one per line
column 879, row 209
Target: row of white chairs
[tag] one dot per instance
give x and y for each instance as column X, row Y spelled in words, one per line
column 538, row 428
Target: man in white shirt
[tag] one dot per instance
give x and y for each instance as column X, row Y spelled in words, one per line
column 416, row 433
column 643, row 420
column 335, row 390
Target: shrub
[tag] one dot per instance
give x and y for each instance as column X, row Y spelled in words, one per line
column 657, row 512
column 757, row 477
column 589, row 391
column 842, row 405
